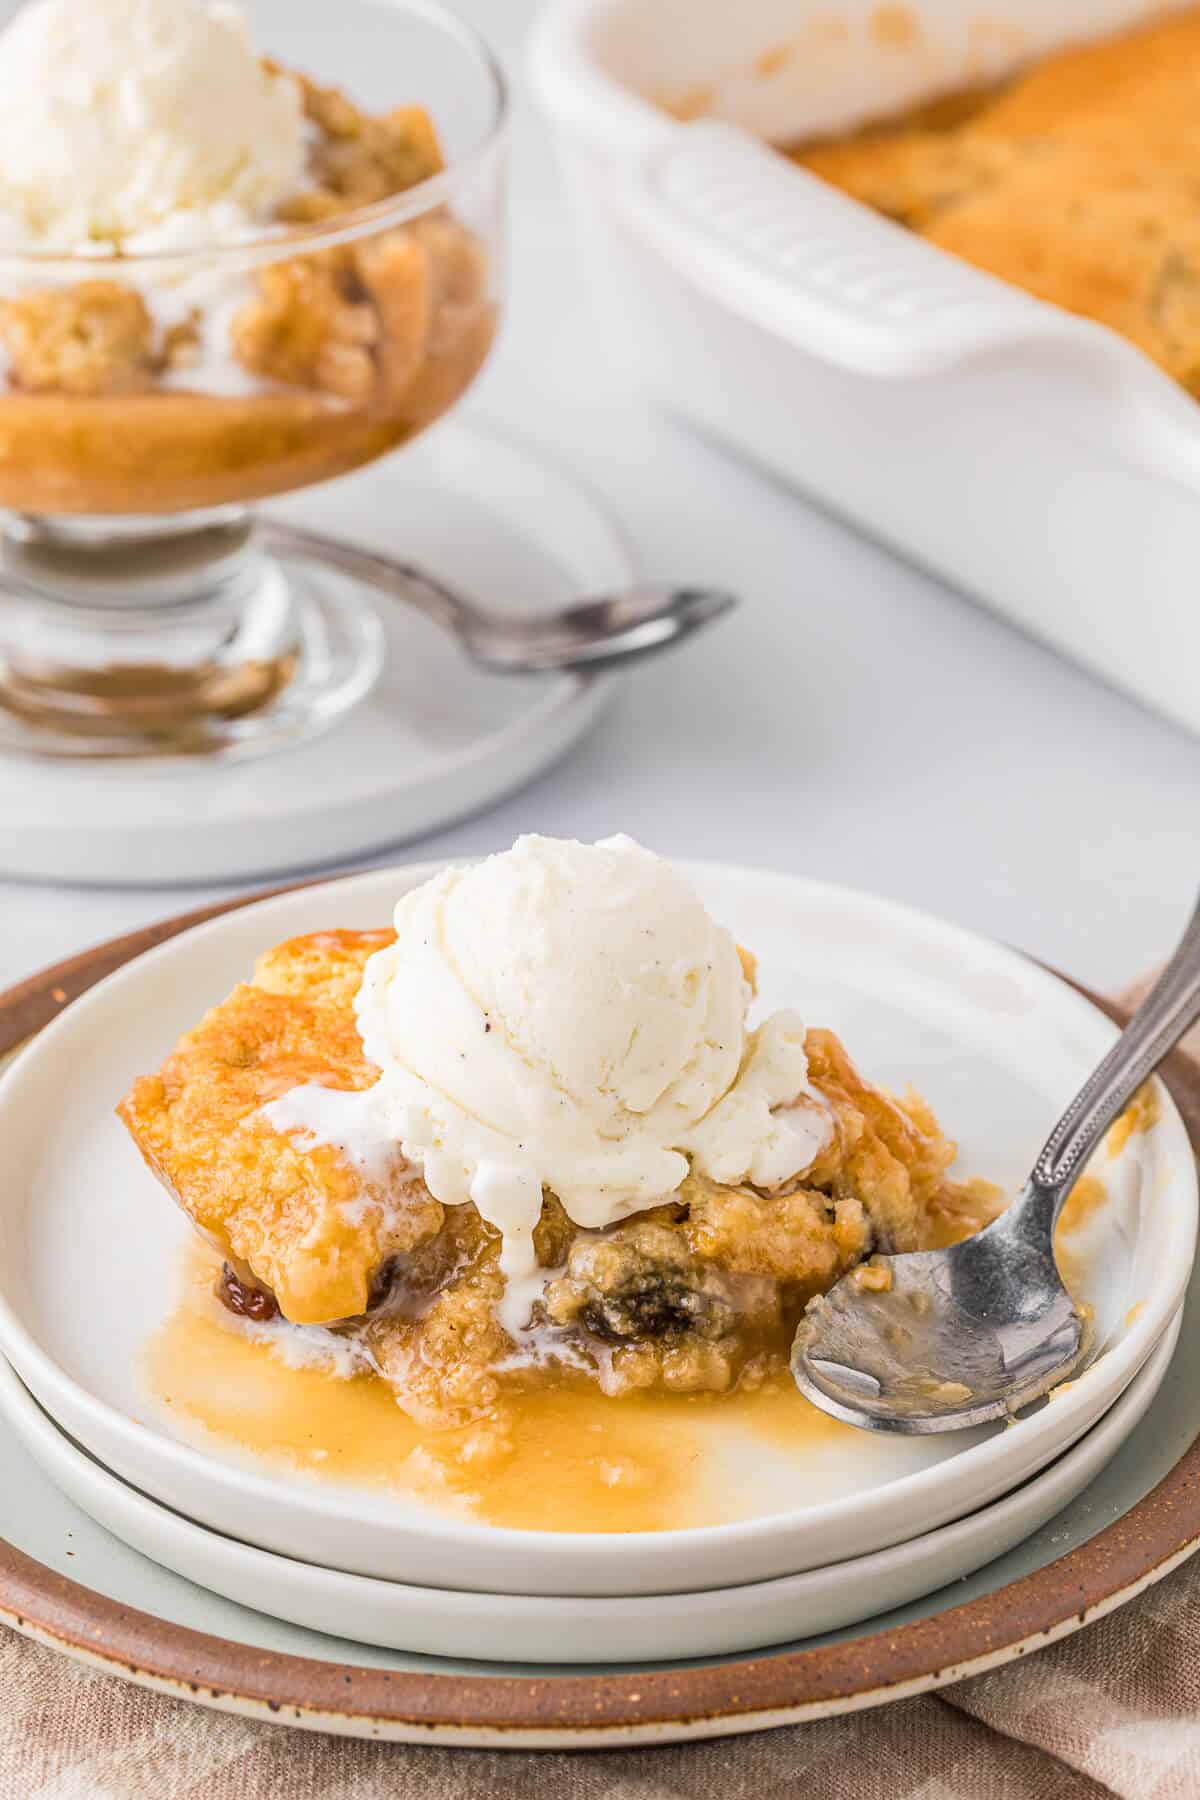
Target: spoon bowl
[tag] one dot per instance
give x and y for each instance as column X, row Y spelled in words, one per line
column 961, row 1337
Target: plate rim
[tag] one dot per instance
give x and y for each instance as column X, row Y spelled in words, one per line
column 31, row 1421
column 753, row 1692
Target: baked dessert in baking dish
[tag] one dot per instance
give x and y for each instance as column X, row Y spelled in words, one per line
column 1077, row 182
column 527, row 1137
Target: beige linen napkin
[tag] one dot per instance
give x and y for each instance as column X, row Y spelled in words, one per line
column 1113, row 1711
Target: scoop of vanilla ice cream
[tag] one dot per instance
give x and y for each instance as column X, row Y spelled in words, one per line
column 573, row 1002
column 122, row 117
column 568, row 1016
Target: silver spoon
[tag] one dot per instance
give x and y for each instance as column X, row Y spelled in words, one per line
column 590, row 634
column 977, row 1331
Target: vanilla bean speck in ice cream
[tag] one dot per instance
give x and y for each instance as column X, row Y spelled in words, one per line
column 567, row 1017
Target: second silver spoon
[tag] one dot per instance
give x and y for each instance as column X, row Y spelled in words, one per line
column 593, row 634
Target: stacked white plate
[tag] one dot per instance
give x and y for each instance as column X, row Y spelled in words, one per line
column 89, row 1266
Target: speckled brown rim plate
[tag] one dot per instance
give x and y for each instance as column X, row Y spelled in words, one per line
column 662, row 1705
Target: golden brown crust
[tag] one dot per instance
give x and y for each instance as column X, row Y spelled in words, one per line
column 1076, row 182
column 356, row 321
column 796, row 1238
column 362, row 157
column 94, row 338
column 889, row 1153
column 302, row 1221
column 324, row 967
column 302, row 329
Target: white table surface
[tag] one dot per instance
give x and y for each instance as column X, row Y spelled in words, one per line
column 856, row 721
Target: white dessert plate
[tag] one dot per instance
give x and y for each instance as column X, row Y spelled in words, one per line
column 539, row 1628
column 90, row 1250
column 434, row 740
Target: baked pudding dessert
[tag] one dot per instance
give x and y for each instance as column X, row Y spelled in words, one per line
column 1075, row 181
column 225, row 274
column 528, row 1138
column 238, row 310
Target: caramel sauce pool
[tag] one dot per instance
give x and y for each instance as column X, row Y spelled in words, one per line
column 562, row 1459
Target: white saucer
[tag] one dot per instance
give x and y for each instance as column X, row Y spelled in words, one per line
column 434, row 740
column 535, row 1628
column 89, row 1248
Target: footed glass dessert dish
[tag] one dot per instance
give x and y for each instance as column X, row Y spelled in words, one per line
column 231, row 266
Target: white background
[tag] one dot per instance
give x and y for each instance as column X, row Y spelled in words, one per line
column 856, row 721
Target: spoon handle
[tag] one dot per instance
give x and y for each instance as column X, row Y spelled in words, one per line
column 403, row 580
column 587, row 637
column 1167, row 1012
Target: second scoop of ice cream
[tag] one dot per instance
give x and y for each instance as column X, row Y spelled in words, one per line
column 120, row 119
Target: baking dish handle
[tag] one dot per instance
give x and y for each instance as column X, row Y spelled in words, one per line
column 792, row 254
column 784, row 250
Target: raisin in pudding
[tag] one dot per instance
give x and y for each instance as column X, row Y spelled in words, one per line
column 241, row 305
column 529, row 1140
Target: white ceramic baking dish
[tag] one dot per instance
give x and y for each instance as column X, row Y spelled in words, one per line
column 1033, row 459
